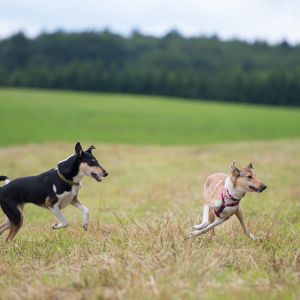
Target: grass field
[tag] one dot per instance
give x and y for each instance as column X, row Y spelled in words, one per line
column 158, row 152
column 136, row 247
column 43, row 116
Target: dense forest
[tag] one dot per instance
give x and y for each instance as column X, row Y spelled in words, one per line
column 173, row 65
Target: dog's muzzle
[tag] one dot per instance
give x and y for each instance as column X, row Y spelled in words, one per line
column 98, row 177
column 262, row 188
column 258, row 190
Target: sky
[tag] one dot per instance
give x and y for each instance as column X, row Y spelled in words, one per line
column 270, row 20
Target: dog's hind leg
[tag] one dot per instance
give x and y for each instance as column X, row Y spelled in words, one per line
column 13, row 229
column 205, row 219
column 4, row 226
column 15, row 215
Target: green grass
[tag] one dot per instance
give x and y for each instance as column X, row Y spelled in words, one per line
column 43, row 116
column 137, row 246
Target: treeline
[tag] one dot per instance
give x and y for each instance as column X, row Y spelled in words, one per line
column 173, row 65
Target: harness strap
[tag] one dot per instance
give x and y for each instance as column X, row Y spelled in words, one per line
column 231, row 197
column 222, row 207
column 61, row 176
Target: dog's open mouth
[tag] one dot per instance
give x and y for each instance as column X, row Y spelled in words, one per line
column 253, row 188
column 96, row 177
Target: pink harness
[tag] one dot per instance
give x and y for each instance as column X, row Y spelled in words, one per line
column 224, row 197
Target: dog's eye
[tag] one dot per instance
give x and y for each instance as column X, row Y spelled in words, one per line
column 249, row 177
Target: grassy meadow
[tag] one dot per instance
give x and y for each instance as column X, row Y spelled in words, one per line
column 35, row 116
column 158, row 153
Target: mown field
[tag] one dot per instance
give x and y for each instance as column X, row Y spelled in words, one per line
column 137, row 246
column 45, row 116
column 141, row 214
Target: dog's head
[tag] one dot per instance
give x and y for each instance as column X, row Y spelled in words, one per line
column 245, row 179
column 89, row 165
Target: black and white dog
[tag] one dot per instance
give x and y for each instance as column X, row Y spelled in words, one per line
column 54, row 189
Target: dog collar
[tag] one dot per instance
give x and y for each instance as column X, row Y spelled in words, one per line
column 70, row 182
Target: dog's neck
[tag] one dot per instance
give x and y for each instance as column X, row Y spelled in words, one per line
column 78, row 177
column 70, row 169
column 235, row 192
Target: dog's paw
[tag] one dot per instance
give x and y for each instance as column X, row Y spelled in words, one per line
column 194, row 233
column 85, row 226
column 200, row 226
column 55, row 226
column 254, row 238
column 59, row 225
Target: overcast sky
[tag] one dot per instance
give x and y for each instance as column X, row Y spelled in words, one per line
column 272, row 20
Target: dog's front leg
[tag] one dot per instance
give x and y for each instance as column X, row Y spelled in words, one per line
column 205, row 218
column 85, row 212
column 217, row 222
column 57, row 213
column 240, row 216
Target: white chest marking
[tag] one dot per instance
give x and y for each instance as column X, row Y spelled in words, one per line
column 234, row 192
column 67, row 197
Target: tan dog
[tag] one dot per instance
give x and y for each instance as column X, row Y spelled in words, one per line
column 222, row 195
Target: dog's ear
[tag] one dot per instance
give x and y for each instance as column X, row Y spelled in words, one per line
column 78, row 149
column 90, row 148
column 250, row 166
column 234, row 169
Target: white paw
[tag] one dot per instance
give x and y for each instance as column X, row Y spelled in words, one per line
column 195, row 233
column 59, row 225
column 200, row 226
column 85, row 226
column 253, row 237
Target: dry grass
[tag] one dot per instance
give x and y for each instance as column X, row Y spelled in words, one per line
column 137, row 248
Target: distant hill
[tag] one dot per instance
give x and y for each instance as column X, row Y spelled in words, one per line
column 173, row 65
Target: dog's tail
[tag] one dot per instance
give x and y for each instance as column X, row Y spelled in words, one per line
column 5, row 179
